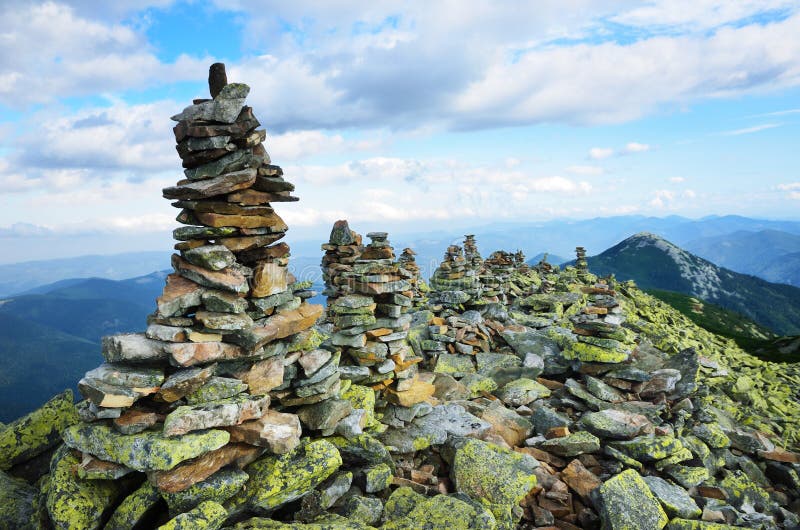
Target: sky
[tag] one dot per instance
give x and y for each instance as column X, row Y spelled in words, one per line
column 401, row 116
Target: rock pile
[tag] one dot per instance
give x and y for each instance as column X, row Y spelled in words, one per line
column 419, row 288
column 572, row 402
column 454, row 283
column 341, row 252
column 496, row 277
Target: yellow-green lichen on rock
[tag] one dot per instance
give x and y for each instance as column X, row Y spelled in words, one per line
column 625, row 502
column 134, row 507
column 590, row 353
column 207, row 515
column 145, row 451
column 407, row 510
column 693, row 524
column 496, row 477
column 36, row 432
column 362, row 397
column 278, row 479
column 219, row 487
column 77, row 503
column 323, row 522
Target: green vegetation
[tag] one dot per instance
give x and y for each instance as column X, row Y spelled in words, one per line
column 750, row 336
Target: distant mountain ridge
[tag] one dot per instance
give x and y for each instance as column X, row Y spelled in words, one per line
column 655, row 263
column 769, row 254
column 50, row 336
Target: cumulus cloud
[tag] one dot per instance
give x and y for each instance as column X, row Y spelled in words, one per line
column 792, row 187
column 48, row 51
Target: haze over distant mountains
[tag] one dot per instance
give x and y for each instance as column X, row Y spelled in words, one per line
column 558, row 237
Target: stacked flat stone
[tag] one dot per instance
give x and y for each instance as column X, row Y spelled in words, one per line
column 342, row 251
column 453, row 283
column 372, row 324
column 418, row 288
column 598, row 328
column 580, row 260
column 471, row 253
column 232, row 332
column 496, row 277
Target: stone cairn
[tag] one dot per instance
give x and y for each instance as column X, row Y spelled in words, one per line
column 341, row 252
column 231, row 334
column 496, row 277
column 372, row 325
column 453, row 283
column 418, row 288
column 580, row 260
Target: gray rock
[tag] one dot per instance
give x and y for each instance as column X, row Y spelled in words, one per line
column 674, row 499
column 212, row 257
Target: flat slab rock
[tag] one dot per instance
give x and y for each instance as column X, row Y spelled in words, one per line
column 223, row 413
column 145, row 451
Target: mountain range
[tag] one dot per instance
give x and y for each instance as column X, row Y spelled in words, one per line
column 655, row 263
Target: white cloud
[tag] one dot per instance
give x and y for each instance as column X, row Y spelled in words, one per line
column 677, row 180
column 585, row 170
column 750, row 130
column 635, row 147
column 49, row 51
column 789, row 186
column 600, row 153
column 662, row 198
column 297, row 145
column 688, row 194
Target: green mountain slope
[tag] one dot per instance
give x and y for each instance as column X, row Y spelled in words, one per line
column 37, row 361
column 50, row 339
column 654, row 263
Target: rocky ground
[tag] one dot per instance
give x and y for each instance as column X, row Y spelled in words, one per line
column 667, row 425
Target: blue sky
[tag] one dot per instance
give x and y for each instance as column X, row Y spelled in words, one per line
column 404, row 115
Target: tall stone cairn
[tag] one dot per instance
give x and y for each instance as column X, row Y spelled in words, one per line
column 372, row 325
column 232, row 334
column 580, row 260
column 341, row 252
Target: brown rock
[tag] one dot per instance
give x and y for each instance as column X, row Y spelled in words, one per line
column 132, row 421
column 201, row 189
column 271, row 221
column 251, row 197
column 242, row 243
column 220, row 207
column 419, row 392
column 269, row 278
column 280, row 250
column 279, row 326
column 179, row 295
column 191, row 353
column 229, row 279
column 185, row 474
column 278, row 431
column 580, row 479
column 557, row 432
column 263, row 376
column 780, row 455
column 184, row 382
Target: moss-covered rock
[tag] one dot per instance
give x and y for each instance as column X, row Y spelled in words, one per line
column 134, row 508
column 412, row 511
column 573, row 444
column 589, row 353
column 675, row 500
column 208, row 515
column 625, row 502
column 497, row 478
column 145, row 451
column 324, row 522
column 36, row 432
column 77, row 503
column 522, row 391
column 219, row 487
column 688, row 524
column 649, row 448
column 278, row 479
